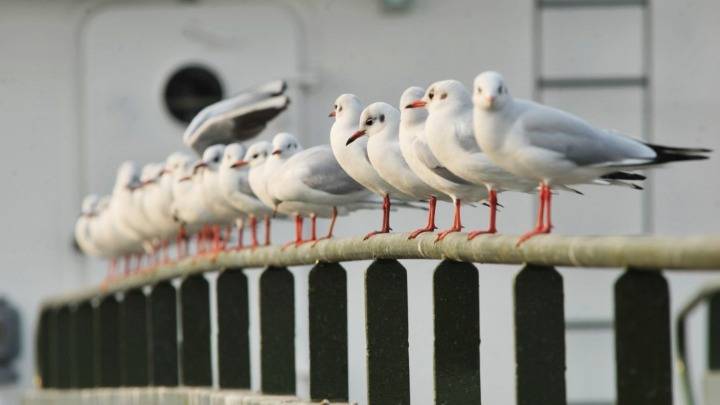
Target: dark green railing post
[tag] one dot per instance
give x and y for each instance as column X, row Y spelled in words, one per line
column 163, row 335
column 457, row 333
column 540, row 336
column 642, row 339
column 195, row 312
column 233, row 329
column 277, row 331
column 84, row 345
column 108, row 333
column 134, row 342
column 714, row 332
column 327, row 301
column 43, row 348
column 65, row 355
column 386, row 303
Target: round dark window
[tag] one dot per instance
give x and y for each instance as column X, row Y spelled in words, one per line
column 189, row 90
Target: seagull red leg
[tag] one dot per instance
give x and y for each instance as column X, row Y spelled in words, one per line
column 253, row 232
column 313, row 228
column 431, row 220
column 240, row 229
column 331, row 228
column 457, row 223
column 492, row 200
column 267, row 230
column 544, row 224
column 386, row 219
column 298, row 233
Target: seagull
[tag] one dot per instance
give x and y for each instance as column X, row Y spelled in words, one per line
column 158, row 201
column 285, row 146
column 128, row 240
column 262, row 165
column 220, row 209
column 314, row 179
column 555, row 148
column 419, row 157
column 188, row 205
column 95, row 234
column 238, row 118
column 235, row 188
column 138, row 218
column 83, row 226
column 449, row 134
column 353, row 157
column 380, row 122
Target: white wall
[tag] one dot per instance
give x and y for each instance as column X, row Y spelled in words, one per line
column 80, row 86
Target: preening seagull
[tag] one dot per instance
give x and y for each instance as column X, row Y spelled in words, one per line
column 555, row 148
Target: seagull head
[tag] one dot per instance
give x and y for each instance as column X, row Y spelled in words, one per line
column 285, row 145
column 128, row 176
column 89, row 206
column 258, row 153
column 175, row 162
column 212, row 156
column 233, row 158
column 375, row 119
column 150, row 173
column 490, row 91
column 346, row 108
column 445, row 95
column 408, row 114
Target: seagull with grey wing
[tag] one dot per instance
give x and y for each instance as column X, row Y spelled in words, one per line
column 238, row 118
column 555, row 148
column 417, row 154
column 314, row 176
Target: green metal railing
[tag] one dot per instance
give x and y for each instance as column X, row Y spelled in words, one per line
column 124, row 334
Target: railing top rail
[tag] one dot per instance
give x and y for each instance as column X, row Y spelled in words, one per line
column 644, row 252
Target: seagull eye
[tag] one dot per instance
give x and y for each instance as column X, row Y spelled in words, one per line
column 369, row 121
column 479, row 90
column 443, row 96
column 255, row 156
column 431, row 95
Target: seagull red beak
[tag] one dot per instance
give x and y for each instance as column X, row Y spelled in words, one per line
column 355, row 136
column 416, row 104
column 198, row 166
column 277, row 152
column 332, row 113
column 239, row 163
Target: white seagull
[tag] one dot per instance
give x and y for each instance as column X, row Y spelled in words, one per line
column 417, row 154
column 380, row 122
column 158, row 200
column 554, row 148
column 314, row 179
column 221, row 210
column 450, row 136
column 235, row 188
column 353, row 157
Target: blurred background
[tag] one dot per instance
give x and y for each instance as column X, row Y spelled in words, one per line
column 87, row 84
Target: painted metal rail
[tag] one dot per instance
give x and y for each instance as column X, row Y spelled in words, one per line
column 641, row 252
